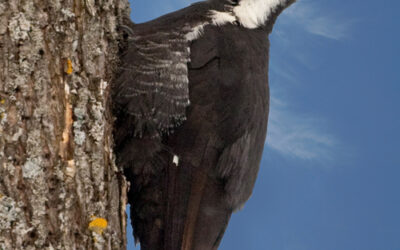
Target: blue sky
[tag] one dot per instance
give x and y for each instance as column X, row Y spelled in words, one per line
column 330, row 174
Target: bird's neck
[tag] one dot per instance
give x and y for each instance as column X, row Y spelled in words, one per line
column 255, row 13
column 250, row 14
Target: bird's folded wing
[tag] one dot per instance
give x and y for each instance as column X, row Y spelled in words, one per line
column 152, row 86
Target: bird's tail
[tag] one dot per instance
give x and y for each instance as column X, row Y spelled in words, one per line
column 197, row 215
column 175, row 206
column 207, row 214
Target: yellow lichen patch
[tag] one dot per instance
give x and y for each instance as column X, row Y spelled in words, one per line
column 69, row 67
column 98, row 225
column 2, row 101
column 1, row 196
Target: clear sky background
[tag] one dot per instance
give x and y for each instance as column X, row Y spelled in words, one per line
column 330, row 174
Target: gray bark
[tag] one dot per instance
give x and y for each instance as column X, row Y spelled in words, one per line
column 57, row 171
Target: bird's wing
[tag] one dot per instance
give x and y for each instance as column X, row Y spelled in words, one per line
column 153, row 82
column 151, row 91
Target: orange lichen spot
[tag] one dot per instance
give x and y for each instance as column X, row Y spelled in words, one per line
column 1, row 196
column 69, row 67
column 98, row 225
column 2, row 101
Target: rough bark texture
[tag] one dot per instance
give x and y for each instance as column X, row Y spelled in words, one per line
column 57, row 172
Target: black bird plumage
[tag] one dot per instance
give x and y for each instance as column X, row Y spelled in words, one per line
column 191, row 102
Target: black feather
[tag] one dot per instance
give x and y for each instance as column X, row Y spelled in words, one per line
column 204, row 101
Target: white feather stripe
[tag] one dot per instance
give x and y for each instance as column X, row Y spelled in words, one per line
column 220, row 18
column 254, row 13
column 196, row 32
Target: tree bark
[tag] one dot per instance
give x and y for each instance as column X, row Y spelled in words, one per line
column 59, row 186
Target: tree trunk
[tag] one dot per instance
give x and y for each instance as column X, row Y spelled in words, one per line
column 59, row 186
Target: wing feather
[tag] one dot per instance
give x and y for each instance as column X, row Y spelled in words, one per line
column 153, row 83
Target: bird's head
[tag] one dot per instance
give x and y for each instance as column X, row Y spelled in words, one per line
column 252, row 14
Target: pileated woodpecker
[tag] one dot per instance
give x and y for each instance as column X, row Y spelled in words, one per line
column 191, row 102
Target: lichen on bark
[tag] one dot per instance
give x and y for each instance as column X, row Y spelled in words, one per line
column 56, row 163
